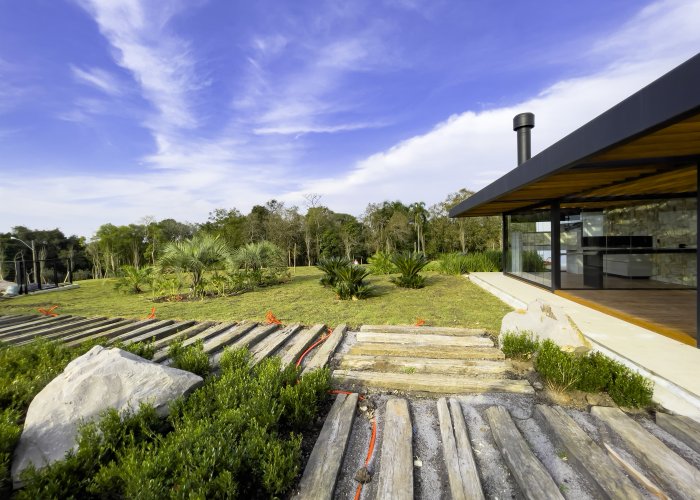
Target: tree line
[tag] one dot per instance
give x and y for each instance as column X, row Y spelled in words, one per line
column 390, row 226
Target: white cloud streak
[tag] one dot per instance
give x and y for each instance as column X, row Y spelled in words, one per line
column 99, row 79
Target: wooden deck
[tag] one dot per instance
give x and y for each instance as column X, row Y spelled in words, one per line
column 671, row 313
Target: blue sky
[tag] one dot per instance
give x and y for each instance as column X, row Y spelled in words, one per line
column 114, row 110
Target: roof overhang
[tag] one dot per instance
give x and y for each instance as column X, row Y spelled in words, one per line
column 647, row 146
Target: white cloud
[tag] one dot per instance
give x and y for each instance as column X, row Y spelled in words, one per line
column 98, row 78
column 237, row 168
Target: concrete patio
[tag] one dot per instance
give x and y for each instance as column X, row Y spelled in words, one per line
column 672, row 365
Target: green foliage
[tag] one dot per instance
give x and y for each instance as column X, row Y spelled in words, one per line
column 256, row 264
column 144, row 349
column 350, row 283
column 191, row 358
column 195, row 256
column 381, row 263
column 330, row 267
column 133, row 279
column 519, row 345
column 593, row 372
column 473, row 262
column 235, row 437
column 10, row 430
column 409, row 264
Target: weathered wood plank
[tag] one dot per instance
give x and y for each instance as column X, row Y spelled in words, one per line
column 302, row 342
column 72, row 331
column 160, row 333
column 427, row 351
column 256, row 335
column 321, row 473
column 461, row 469
column 533, row 479
column 635, row 473
column 441, row 330
column 683, row 428
column 662, row 464
column 273, row 343
column 96, row 330
column 132, row 327
column 473, row 367
column 325, row 351
column 49, row 331
column 32, row 326
column 585, row 456
column 396, row 469
column 162, row 354
column 424, row 339
column 184, row 334
column 14, row 319
column 228, row 336
column 431, row 383
column 157, row 326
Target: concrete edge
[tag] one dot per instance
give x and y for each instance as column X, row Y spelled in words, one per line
column 666, row 393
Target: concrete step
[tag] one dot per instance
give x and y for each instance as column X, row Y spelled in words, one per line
column 396, row 468
column 586, row 456
column 427, row 383
column 425, row 339
column 675, row 475
column 438, row 330
column 402, row 364
column 462, row 471
column 532, row 477
column 435, row 352
column 321, row 473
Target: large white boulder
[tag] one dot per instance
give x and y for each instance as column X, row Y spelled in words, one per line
column 98, row 380
column 545, row 321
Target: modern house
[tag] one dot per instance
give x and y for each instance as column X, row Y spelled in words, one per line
column 608, row 215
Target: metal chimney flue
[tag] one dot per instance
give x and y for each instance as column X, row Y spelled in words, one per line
column 522, row 124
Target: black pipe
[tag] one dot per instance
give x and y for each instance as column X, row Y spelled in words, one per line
column 522, row 124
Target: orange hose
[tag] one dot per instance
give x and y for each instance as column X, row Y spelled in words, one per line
column 370, row 451
column 301, row 358
column 336, row 391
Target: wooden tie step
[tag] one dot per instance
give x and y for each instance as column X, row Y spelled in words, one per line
column 302, row 341
column 321, row 473
column 429, row 383
column 586, row 456
column 438, row 330
column 674, row 474
column 403, row 364
column 272, row 344
column 531, row 476
column 457, row 452
column 324, row 352
column 424, row 339
column 423, row 351
column 396, row 471
column 682, row 428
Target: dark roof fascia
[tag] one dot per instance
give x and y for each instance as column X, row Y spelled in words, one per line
column 670, row 97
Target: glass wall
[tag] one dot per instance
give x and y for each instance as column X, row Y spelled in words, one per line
column 529, row 249
column 640, row 245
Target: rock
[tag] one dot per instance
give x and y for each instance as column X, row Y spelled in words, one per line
column 417, row 462
column 538, row 385
column 96, row 381
column 363, row 476
column 599, row 399
column 546, row 321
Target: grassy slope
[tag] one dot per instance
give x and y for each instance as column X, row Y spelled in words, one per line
column 445, row 301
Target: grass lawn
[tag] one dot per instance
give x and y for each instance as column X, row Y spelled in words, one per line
column 445, row 301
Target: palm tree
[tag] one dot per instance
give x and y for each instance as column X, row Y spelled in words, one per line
column 194, row 255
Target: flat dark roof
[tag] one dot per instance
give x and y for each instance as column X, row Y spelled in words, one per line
column 654, row 132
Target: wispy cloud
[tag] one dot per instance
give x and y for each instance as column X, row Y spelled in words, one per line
column 99, row 79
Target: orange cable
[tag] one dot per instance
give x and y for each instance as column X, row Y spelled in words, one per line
column 322, row 339
column 370, row 451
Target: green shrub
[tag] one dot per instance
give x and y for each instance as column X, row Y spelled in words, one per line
column 330, row 267
column 558, row 368
column 519, row 345
column 630, row 389
column 236, row 436
column 144, row 349
column 596, row 371
column 473, row 262
column 133, row 279
column 409, row 265
column 350, row 283
column 381, row 263
column 191, row 358
column 10, row 430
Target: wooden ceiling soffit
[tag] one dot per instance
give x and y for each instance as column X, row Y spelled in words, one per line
column 674, row 181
